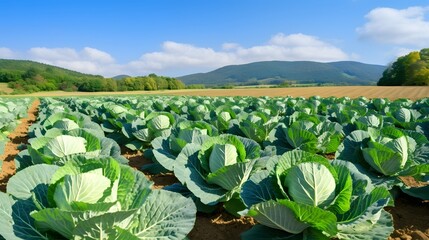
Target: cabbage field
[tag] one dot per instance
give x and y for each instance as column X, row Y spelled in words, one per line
column 293, row 167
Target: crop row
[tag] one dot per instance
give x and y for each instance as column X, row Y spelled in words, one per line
column 303, row 168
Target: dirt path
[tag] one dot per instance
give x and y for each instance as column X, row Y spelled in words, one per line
column 17, row 139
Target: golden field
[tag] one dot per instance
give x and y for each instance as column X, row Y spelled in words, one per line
column 337, row 91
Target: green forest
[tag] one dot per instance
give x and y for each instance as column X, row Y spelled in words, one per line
column 28, row 77
column 409, row 70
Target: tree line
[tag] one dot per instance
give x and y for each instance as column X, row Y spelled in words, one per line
column 35, row 80
column 411, row 69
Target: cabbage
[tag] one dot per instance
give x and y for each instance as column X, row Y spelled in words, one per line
column 215, row 170
column 302, row 195
column 93, row 199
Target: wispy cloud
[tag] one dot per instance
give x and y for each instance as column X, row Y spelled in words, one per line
column 187, row 58
column 87, row 60
column 181, row 58
column 176, row 59
column 6, row 53
column 406, row 27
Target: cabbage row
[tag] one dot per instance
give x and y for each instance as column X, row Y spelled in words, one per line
column 186, row 135
column 11, row 110
column 73, row 183
column 316, row 168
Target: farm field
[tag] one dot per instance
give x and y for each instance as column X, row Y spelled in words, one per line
column 5, row 89
column 214, row 120
column 144, row 123
column 349, row 91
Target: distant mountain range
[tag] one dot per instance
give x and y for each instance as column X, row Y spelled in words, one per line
column 120, row 77
column 301, row 72
column 270, row 72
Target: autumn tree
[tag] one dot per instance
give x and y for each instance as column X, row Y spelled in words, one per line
column 411, row 69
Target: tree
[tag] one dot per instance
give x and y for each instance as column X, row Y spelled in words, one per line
column 411, row 69
column 111, row 85
column 9, row 76
column 30, row 73
column 93, row 85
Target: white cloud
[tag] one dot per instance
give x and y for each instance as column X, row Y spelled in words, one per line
column 397, row 26
column 6, row 53
column 398, row 52
column 230, row 46
column 296, row 40
column 88, row 60
column 183, row 58
column 53, row 54
column 97, row 55
column 294, row 47
column 180, row 55
column 177, row 59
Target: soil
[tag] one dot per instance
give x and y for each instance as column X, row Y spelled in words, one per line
column 137, row 161
column 18, row 140
column 337, row 91
column 219, row 225
column 412, row 182
column 411, row 215
column 410, row 218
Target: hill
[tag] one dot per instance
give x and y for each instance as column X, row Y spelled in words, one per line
column 28, row 76
column 19, row 67
column 23, row 76
column 276, row 72
column 120, row 77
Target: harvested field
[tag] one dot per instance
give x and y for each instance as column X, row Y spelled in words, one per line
column 350, row 91
column 5, row 89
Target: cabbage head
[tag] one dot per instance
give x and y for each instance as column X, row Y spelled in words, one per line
column 323, row 137
column 91, row 199
column 303, row 195
column 215, row 171
column 166, row 149
column 140, row 132
column 64, row 122
column 58, row 148
column 389, row 154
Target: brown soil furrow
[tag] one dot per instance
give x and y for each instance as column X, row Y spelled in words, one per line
column 17, row 138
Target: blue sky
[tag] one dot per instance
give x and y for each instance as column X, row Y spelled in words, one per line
column 174, row 38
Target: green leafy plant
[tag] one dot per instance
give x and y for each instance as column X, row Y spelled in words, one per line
column 91, row 199
column 57, row 148
column 215, row 171
column 141, row 131
column 302, row 196
column 388, row 154
column 166, row 149
column 323, row 137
